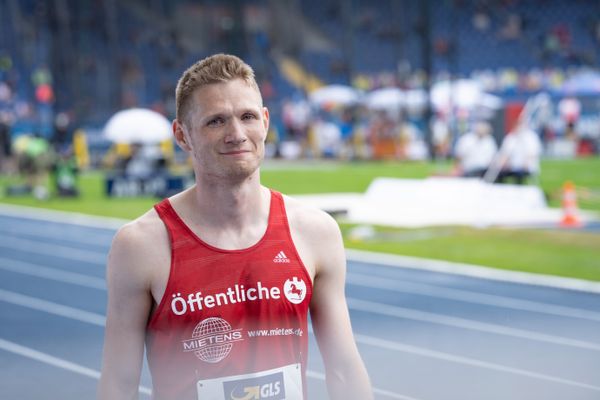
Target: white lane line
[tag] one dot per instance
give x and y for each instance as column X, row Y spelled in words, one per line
column 40, row 271
column 42, row 231
column 45, row 358
column 70, row 253
column 398, row 261
column 471, row 270
column 52, row 308
column 62, row 216
column 320, row 376
column 439, row 319
column 469, row 296
column 90, row 318
column 404, row 348
column 354, row 304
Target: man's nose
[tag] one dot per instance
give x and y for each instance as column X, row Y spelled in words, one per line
column 236, row 133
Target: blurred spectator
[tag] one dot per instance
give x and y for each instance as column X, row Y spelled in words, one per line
column 5, row 141
column 61, row 135
column 475, row 150
column 383, row 136
column 35, row 158
column 511, row 30
column 64, row 174
column 145, row 161
column 410, row 144
column 328, row 138
column 520, row 154
column 5, row 93
column 440, row 136
column 346, row 125
column 569, row 109
column 481, row 20
column 296, row 115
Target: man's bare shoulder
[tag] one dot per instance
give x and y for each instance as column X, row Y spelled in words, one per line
column 309, row 220
column 142, row 230
column 140, row 247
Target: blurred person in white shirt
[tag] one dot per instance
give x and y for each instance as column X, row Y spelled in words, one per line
column 520, row 154
column 475, row 150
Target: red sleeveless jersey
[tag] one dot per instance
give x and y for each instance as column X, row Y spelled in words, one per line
column 232, row 324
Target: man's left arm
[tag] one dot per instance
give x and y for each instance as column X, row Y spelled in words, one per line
column 346, row 375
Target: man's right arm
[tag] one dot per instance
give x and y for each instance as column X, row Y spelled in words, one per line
column 129, row 305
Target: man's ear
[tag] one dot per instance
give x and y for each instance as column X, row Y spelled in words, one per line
column 266, row 118
column 179, row 131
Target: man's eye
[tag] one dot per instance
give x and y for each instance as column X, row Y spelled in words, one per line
column 216, row 122
column 248, row 116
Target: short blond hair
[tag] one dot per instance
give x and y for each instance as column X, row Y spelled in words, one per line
column 217, row 68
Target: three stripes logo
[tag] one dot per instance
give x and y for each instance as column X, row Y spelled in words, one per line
column 281, row 258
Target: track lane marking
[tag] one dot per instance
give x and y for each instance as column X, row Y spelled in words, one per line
column 455, row 268
column 29, row 230
column 463, row 323
column 354, row 304
column 420, row 351
column 100, row 320
column 55, row 274
column 45, row 249
column 52, row 308
column 423, row 289
column 62, row 217
column 381, row 392
column 61, row 363
column 471, row 270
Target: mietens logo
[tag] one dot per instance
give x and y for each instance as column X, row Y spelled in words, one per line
column 294, row 290
column 212, row 340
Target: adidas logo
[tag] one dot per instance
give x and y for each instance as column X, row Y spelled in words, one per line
column 281, row 258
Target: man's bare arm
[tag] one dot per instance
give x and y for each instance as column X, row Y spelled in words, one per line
column 129, row 304
column 346, row 375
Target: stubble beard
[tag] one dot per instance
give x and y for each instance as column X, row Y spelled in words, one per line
column 234, row 173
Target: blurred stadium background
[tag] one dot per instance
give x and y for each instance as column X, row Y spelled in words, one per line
column 69, row 65
column 357, row 90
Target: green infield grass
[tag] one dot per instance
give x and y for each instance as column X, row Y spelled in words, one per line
column 554, row 251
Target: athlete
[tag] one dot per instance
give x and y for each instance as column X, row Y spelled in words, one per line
column 215, row 283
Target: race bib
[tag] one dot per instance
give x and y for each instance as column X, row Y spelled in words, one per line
column 283, row 383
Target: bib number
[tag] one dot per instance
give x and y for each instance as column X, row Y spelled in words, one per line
column 283, row 383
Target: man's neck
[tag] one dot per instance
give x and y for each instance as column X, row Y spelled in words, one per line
column 225, row 206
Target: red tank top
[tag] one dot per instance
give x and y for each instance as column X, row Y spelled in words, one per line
column 232, row 324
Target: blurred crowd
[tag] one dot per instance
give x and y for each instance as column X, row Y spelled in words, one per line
column 64, row 72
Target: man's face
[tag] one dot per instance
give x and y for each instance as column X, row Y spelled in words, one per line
column 226, row 130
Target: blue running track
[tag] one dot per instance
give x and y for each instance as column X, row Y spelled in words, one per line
column 424, row 335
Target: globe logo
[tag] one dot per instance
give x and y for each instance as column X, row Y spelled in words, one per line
column 212, row 340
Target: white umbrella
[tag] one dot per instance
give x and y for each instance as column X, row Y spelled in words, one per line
column 335, row 94
column 390, row 98
column 138, row 125
column 463, row 93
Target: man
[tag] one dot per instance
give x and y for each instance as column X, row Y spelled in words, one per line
column 217, row 280
column 520, row 154
column 475, row 151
